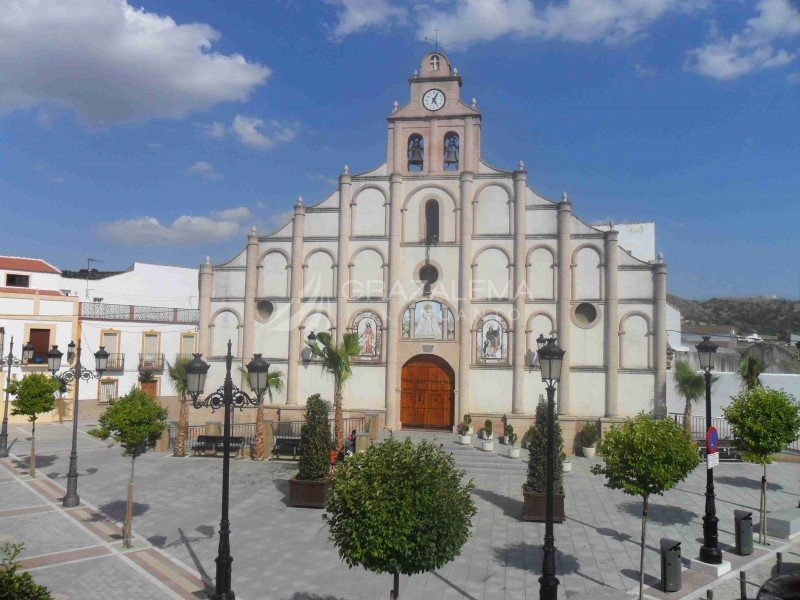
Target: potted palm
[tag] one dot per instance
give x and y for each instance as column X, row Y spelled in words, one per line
column 535, row 487
column 274, row 385
column 487, row 443
column 464, row 437
column 511, row 439
column 588, row 438
column 309, row 488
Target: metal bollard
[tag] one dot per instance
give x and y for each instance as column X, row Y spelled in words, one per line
column 743, row 585
column 743, row 532
column 779, row 563
column 670, row 565
column 710, row 594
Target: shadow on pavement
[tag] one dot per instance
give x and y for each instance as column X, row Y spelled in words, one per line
column 207, row 581
column 42, row 461
column 662, row 515
column 116, row 509
column 650, row 580
column 746, row 482
column 453, row 586
column 511, row 506
column 282, row 486
column 308, row 596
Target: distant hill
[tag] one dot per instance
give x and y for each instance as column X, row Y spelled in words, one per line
column 762, row 315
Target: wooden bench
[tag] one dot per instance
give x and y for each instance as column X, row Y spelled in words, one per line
column 215, row 444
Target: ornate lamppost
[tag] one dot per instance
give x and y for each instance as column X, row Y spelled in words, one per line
column 797, row 345
column 75, row 373
column 709, row 551
column 551, row 357
column 11, row 361
column 227, row 397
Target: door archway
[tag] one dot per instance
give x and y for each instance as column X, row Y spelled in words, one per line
column 427, row 393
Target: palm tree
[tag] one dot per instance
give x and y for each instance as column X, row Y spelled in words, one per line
column 691, row 385
column 750, row 370
column 275, row 385
column 336, row 361
column 177, row 377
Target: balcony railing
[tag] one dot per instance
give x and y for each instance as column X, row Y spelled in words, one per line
column 116, row 361
column 101, row 311
column 180, row 356
column 151, row 362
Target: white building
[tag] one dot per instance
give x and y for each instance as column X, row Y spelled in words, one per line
column 448, row 269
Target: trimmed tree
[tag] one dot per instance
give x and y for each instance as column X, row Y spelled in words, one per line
column 274, row 385
column 135, row 421
column 15, row 585
column 646, row 456
column 315, row 441
column 764, row 421
column 35, row 394
column 177, row 377
column 336, row 361
column 399, row 508
column 537, row 458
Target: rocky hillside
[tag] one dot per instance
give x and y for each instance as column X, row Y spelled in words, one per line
column 763, row 315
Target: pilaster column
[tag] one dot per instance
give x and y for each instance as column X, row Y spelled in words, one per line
column 520, row 291
column 466, row 196
column 660, row 333
column 564, row 299
column 206, row 279
column 296, row 292
column 343, row 260
column 433, row 150
column 250, row 290
column 394, row 304
column 611, row 321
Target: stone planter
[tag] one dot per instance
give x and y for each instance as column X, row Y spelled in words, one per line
column 588, row 452
column 535, row 506
column 567, row 466
column 487, row 445
column 469, row 431
column 309, row 494
column 465, row 440
column 512, row 452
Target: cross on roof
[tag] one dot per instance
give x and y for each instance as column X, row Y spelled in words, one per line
column 435, row 40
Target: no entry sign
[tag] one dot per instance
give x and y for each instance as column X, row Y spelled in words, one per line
column 712, row 440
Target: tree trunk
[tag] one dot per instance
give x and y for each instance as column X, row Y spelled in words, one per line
column 762, row 530
column 126, row 527
column 338, row 420
column 259, row 452
column 183, row 427
column 395, row 593
column 687, row 417
column 32, row 457
column 641, row 551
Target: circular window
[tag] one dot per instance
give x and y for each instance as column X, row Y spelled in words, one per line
column 429, row 274
column 585, row 314
column 264, row 308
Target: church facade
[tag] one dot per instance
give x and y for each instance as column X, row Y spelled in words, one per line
column 449, row 270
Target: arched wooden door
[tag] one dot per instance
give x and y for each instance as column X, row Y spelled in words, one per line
column 426, row 398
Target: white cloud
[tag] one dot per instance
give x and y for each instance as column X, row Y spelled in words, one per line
column 204, row 170
column 111, row 62
column 752, row 49
column 279, row 220
column 258, row 133
column 323, row 178
column 356, row 15
column 642, row 71
column 232, row 214
column 213, row 130
column 154, row 146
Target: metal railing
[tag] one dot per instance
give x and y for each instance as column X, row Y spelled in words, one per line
column 699, row 426
column 116, row 361
column 149, row 361
column 180, row 356
column 191, row 435
column 132, row 312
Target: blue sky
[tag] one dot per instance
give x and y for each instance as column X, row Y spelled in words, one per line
column 161, row 131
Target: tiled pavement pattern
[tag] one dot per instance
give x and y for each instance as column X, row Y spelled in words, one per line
column 282, row 553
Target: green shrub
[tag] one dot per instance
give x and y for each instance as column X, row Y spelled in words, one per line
column 511, row 437
column 315, row 440
column 467, row 420
column 18, row 586
column 589, row 435
column 399, row 508
column 487, row 427
column 463, row 428
column 537, row 446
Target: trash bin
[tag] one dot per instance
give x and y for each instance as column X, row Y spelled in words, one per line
column 670, row 565
column 743, row 532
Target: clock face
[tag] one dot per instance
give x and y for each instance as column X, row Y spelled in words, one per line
column 433, row 99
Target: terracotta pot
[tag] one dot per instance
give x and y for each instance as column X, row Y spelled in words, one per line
column 309, row 493
column 588, row 452
column 465, row 440
column 535, row 506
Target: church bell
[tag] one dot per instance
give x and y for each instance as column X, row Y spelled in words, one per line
column 450, row 156
column 415, row 156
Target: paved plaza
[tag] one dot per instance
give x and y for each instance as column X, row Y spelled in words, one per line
column 283, row 553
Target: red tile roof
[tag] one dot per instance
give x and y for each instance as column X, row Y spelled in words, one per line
column 35, row 265
column 22, row 290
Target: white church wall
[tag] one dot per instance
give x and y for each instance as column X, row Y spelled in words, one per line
column 580, row 227
column 534, row 387
column 273, row 275
column 414, row 214
column 228, row 283
column 225, row 326
column 321, row 224
column 490, row 390
column 532, row 198
column 369, row 212
column 541, row 220
column 587, row 389
column 491, row 278
column 586, row 345
column 635, row 344
column 271, row 339
column 365, row 390
column 367, row 275
column 635, row 284
column 586, row 273
column 318, row 274
column 332, row 201
column 636, row 393
column 541, row 322
column 493, row 211
column 542, row 273
column 313, row 380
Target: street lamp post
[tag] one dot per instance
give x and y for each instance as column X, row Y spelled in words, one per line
column 551, row 357
column 75, row 373
column 227, row 397
column 709, row 551
column 11, row 361
column 797, row 345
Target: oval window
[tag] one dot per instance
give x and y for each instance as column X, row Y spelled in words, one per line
column 265, row 308
column 585, row 314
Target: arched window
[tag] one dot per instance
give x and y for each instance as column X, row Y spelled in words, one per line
column 434, row 62
column 416, row 152
column 451, row 151
column 431, row 222
column 492, row 339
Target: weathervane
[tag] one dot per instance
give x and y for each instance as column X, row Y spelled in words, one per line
column 435, row 39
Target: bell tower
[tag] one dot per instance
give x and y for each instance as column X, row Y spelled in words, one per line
column 435, row 133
